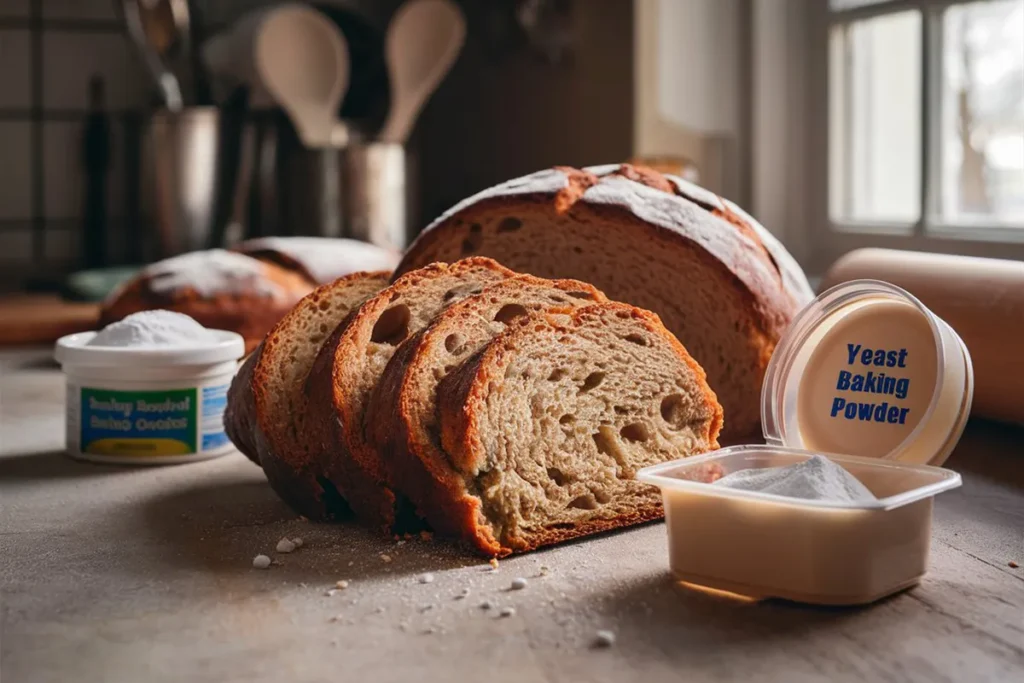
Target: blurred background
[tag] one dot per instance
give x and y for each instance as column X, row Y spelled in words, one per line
column 839, row 124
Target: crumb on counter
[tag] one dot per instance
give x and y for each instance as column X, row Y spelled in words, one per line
column 426, row 578
column 486, row 604
column 518, row 584
column 385, row 558
column 341, row 585
column 1012, row 565
column 603, row 639
column 494, row 563
column 297, row 542
column 285, row 545
column 507, row 612
column 261, row 562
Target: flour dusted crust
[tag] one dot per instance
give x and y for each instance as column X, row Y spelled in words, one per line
column 321, row 259
column 220, row 289
column 718, row 279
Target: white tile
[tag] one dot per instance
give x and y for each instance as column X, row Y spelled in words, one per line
column 14, row 8
column 65, row 175
column 16, row 170
column 71, row 59
column 15, row 84
column 16, row 245
column 78, row 9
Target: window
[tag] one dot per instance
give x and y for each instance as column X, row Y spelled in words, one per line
column 926, row 118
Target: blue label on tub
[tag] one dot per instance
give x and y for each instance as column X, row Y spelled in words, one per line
column 139, row 422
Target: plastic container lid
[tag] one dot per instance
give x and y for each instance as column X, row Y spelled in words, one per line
column 866, row 369
column 225, row 346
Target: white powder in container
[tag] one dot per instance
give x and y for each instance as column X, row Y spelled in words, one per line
column 816, row 478
column 153, row 329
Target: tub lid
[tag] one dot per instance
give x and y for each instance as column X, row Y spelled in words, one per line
column 74, row 349
column 866, row 369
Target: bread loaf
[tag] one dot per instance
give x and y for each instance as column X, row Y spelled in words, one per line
column 401, row 419
column 220, row 289
column 350, row 364
column 546, row 427
column 719, row 281
column 320, row 259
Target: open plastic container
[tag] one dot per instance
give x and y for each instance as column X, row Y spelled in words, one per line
column 820, row 551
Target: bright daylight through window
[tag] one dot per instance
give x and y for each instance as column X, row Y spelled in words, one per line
column 926, row 114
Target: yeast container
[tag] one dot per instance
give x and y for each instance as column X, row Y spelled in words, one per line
column 867, row 376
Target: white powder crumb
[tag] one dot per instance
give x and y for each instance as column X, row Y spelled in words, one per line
column 330, row 592
column 603, row 639
column 261, row 562
column 486, row 604
column 385, row 558
column 426, row 578
column 297, row 542
column 285, row 545
column 463, row 594
column 816, row 478
column 399, row 544
column 341, row 585
column 507, row 612
column 544, row 570
column 518, row 584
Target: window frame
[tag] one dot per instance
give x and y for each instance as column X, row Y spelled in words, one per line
column 929, row 232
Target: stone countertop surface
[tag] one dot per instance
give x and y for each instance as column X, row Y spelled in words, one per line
column 145, row 574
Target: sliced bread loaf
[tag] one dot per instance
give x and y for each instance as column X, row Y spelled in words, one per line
column 266, row 412
column 720, row 281
column 351, row 362
column 402, row 416
column 546, row 427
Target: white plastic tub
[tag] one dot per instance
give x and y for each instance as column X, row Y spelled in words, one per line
column 824, row 552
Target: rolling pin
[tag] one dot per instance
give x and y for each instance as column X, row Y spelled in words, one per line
column 981, row 298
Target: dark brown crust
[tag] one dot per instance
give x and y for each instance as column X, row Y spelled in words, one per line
column 344, row 457
column 250, row 314
column 468, row 385
column 240, row 412
column 410, row 466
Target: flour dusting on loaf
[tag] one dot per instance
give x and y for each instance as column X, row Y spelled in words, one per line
column 208, row 273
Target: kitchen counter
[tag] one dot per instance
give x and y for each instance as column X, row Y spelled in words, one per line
column 118, row 574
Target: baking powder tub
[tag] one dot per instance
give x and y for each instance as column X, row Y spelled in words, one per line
column 148, row 406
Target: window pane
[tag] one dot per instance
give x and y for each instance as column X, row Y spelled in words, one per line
column 875, row 119
column 983, row 113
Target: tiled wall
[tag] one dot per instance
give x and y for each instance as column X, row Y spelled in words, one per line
column 49, row 49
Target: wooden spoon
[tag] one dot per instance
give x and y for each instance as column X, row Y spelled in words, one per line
column 423, row 40
column 302, row 58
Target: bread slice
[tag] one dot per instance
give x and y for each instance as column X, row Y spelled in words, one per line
column 720, row 282
column 546, row 427
column 350, row 364
column 402, row 416
column 266, row 411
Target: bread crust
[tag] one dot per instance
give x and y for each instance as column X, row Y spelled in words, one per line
column 251, row 311
column 664, row 214
column 461, row 439
column 336, row 430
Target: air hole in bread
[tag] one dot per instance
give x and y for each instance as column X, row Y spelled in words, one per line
column 557, row 374
column 558, row 476
column 510, row 224
column 592, row 381
column 602, row 497
column 475, row 229
column 461, row 292
column 622, row 315
column 473, row 240
column 557, row 299
column 578, row 250
column 673, row 410
column 586, row 502
column 453, row 342
column 323, row 328
column 635, row 338
column 621, row 410
column 324, row 304
column 566, row 419
column 635, row 432
column 510, row 312
column 586, row 296
column 392, row 326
